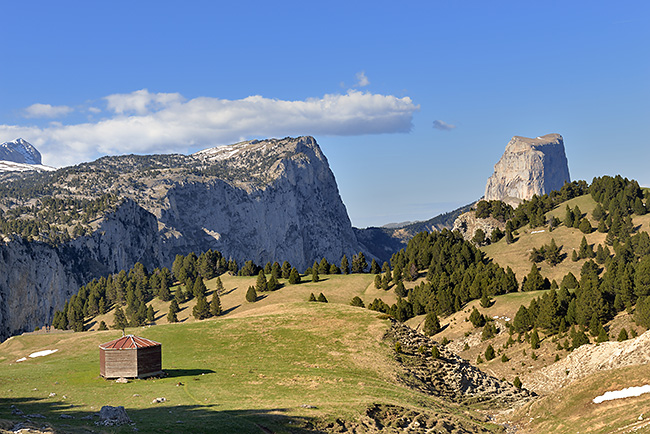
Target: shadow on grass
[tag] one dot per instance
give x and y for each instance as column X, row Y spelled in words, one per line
column 173, row 373
column 157, row 418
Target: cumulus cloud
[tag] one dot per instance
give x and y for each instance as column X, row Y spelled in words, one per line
column 442, row 125
column 145, row 122
column 46, row 111
column 362, row 80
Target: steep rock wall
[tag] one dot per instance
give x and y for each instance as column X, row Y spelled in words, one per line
column 36, row 278
column 529, row 167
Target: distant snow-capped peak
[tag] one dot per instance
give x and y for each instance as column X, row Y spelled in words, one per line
column 19, row 151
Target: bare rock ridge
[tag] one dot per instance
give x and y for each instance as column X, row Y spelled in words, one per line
column 269, row 200
column 529, row 167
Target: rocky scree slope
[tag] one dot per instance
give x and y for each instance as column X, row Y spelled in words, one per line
column 20, row 156
column 528, row 167
column 264, row 200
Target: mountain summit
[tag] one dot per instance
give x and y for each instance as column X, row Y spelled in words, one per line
column 529, row 167
column 20, row 151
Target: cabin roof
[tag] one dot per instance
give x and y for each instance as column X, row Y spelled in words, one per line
column 129, row 342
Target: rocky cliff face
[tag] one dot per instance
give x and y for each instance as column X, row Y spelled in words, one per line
column 261, row 200
column 529, row 167
column 37, row 278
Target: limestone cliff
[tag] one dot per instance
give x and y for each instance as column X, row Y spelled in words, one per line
column 270, row 200
column 529, row 167
column 467, row 224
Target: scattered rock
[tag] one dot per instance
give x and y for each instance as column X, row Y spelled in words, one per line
column 112, row 416
column 52, row 394
column 135, row 395
column 66, row 416
column 122, row 380
column 35, row 416
column 159, row 400
column 308, row 406
column 16, row 411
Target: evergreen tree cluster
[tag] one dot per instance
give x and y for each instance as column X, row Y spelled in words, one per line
column 457, row 272
column 131, row 290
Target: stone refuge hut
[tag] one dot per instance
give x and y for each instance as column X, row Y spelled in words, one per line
column 130, row 357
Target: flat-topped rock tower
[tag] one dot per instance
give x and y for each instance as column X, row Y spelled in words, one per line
column 529, row 167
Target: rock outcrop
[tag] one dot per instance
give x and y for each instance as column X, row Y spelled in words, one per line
column 467, row 224
column 529, row 167
column 270, row 200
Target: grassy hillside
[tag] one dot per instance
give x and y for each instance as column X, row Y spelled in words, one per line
column 516, row 255
column 571, row 410
column 278, row 365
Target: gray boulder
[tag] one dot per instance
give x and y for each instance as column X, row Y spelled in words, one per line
column 112, row 416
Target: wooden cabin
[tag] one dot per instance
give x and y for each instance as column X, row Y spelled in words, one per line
column 130, row 357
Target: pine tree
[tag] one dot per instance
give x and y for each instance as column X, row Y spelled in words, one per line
column 489, row 353
column 476, row 318
column 552, row 253
column 534, row 280
column 323, row 267
column 163, row 291
column 517, row 382
column 321, row 298
column 251, row 294
column 219, row 286
column 260, row 285
column 314, row 275
column 431, row 324
column 574, row 256
column 294, row 277
column 312, row 297
column 357, row 302
column 201, row 309
column 378, row 281
column 119, row 320
column 273, row 283
column 374, row 267
column 345, row 265
column 199, row 289
column 150, row 314
column 102, row 326
column 534, row 340
column 622, row 335
column 215, row 304
column 173, row 310
column 585, row 227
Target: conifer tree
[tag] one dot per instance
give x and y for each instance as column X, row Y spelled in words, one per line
column 357, row 302
column 201, row 309
column 323, row 267
column 199, row 289
column 534, row 340
column 534, row 280
column 251, row 294
column 431, row 324
column 374, row 267
column 489, row 353
column 119, row 319
column 622, row 335
column 314, row 275
column 102, row 326
column 219, row 285
column 378, row 281
column 321, row 298
column 260, row 285
column 517, row 382
column 345, row 265
column 215, row 304
column 286, row 270
column 173, row 310
column 273, row 283
column 294, row 277
column 163, row 291
column 312, row 297
column 150, row 314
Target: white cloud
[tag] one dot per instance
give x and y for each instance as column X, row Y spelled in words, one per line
column 46, row 111
column 141, row 101
column 442, row 125
column 362, row 80
column 159, row 123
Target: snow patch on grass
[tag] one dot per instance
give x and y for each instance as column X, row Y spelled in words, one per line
column 628, row 392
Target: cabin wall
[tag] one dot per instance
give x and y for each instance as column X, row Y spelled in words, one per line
column 149, row 361
column 118, row 363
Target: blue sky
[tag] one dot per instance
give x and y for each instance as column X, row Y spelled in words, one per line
column 412, row 102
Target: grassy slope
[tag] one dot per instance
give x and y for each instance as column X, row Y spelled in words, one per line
column 571, row 410
column 256, row 366
column 516, row 255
